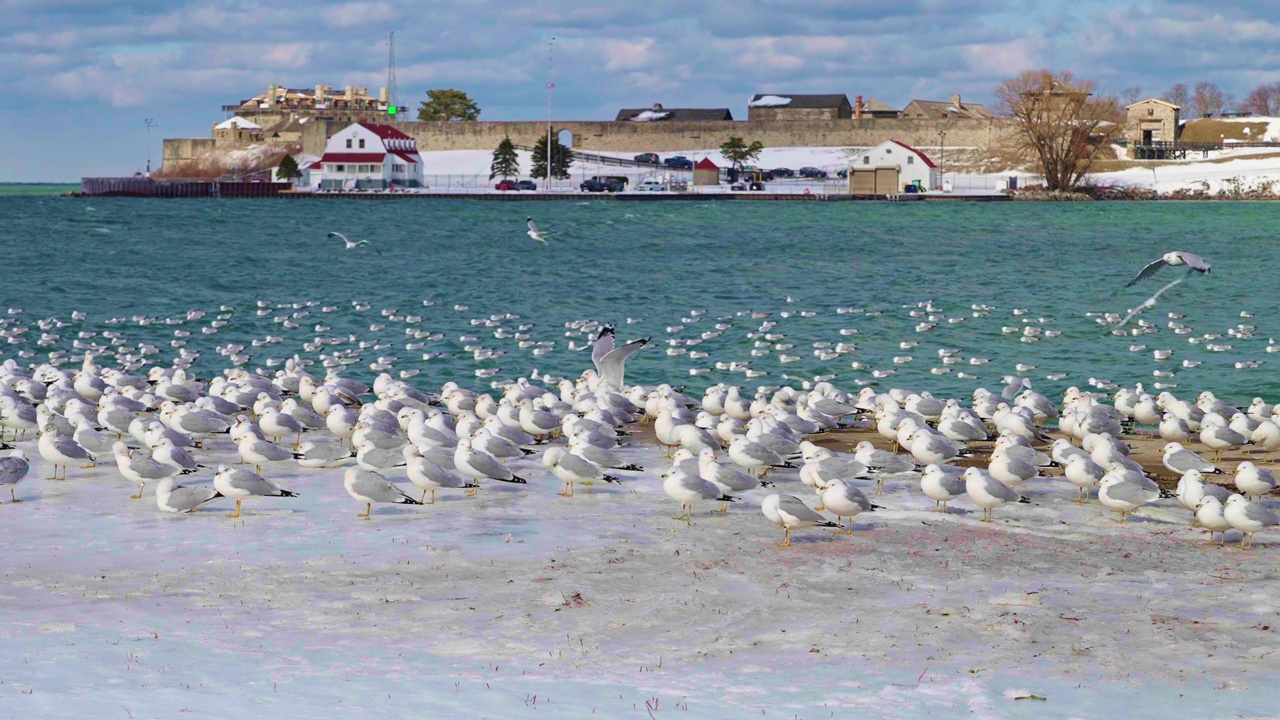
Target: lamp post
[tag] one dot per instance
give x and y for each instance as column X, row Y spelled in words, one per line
column 150, row 122
column 942, row 150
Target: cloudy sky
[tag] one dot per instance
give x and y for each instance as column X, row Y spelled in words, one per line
column 81, row 76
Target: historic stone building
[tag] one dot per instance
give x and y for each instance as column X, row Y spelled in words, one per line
column 1152, row 121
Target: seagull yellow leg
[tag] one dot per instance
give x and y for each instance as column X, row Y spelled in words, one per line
column 13, row 494
column 786, row 539
column 236, row 514
column 141, row 487
column 368, row 508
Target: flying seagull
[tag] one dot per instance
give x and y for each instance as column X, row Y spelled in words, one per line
column 353, row 245
column 611, row 361
column 535, row 233
column 1177, row 257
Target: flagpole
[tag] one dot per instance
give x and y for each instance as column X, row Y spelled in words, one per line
column 550, row 87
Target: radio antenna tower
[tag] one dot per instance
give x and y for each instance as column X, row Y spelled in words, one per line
column 391, row 70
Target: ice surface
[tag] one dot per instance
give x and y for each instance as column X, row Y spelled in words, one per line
column 519, row 601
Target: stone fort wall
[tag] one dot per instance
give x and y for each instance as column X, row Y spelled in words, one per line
column 669, row 136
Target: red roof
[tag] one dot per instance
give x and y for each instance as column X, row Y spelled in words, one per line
column 706, row 164
column 386, row 132
column 924, row 157
column 374, row 157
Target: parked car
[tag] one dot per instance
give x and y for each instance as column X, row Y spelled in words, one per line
column 600, row 184
column 652, row 185
column 678, row 162
column 505, row 185
column 783, row 172
column 812, row 172
column 526, row 185
column 843, row 173
column 651, row 158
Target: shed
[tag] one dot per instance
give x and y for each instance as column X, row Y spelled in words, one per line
column 785, row 106
column 1152, row 121
column 706, row 172
column 873, row 180
column 912, row 165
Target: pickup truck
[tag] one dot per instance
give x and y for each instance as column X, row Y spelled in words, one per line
column 601, row 184
column 678, row 162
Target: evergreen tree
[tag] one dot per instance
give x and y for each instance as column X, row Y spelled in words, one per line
column 561, row 158
column 739, row 153
column 450, row 105
column 505, row 161
column 289, row 170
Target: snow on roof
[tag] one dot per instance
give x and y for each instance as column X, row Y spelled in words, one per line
column 770, row 101
column 236, row 122
column 649, row 115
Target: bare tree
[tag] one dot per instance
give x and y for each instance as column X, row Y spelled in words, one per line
column 1176, row 95
column 1207, row 99
column 1130, row 95
column 1060, row 124
column 1263, row 100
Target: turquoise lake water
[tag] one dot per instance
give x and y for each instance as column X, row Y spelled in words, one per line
column 610, row 261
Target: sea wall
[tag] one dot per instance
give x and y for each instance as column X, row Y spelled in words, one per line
column 668, row 136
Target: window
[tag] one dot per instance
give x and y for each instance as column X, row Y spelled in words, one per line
column 340, row 168
column 361, row 143
column 1151, row 112
column 866, row 160
column 911, row 160
column 375, row 168
column 348, row 143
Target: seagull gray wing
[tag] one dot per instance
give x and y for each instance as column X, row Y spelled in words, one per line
column 1195, row 262
column 186, row 499
column 796, row 508
column 1131, row 493
column 533, row 226
column 338, row 235
column 1255, row 512
column 377, row 488
column 1184, row 460
column 954, row 484
column 1148, row 271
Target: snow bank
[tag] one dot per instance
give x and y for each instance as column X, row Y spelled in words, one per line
column 649, row 115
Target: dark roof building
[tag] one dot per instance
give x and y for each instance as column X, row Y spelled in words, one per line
column 658, row 113
column 937, row 110
column 784, row 106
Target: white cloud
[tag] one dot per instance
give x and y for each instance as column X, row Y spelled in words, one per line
column 357, row 13
column 626, row 55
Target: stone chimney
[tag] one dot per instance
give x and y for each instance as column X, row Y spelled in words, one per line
column 271, row 95
column 857, row 107
column 350, row 93
column 320, row 93
column 955, row 101
column 382, row 96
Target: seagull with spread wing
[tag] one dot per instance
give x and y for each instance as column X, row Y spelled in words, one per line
column 1172, row 259
column 611, row 361
column 535, row 233
column 353, row 245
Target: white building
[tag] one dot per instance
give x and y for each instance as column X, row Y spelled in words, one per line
column 913, row 165
column 368, row 156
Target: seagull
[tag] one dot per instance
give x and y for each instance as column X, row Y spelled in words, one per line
column 353, row 245
column 1178, row 257
column 1123, row 496
column 611, row 361
column 175, row 498
column 370, row 487
column 534, row 232
column 1248, row 518
column 789, row 512
column 12, row 470
column 987, row 492
column 239, row 483
column 845, row 502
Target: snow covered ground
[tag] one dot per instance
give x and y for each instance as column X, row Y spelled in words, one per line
column 1232, row 168
column 521, row 603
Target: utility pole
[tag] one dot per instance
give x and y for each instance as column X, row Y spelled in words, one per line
column 150, row 124
column 550, row 86
column 942, row 152
column 391, row 71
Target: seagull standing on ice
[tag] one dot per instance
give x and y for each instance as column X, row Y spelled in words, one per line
column 534, row 232
column 353, row 245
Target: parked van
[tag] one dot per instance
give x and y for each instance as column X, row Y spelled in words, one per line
column 652, row 185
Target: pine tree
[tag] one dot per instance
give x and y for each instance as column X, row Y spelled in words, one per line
column 505, row 161
column 289, row 170
column 739, row 153
column 561, row 158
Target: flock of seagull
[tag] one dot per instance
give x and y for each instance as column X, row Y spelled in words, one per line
column 167, row 424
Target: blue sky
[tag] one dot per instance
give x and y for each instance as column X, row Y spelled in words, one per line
column 82, row 75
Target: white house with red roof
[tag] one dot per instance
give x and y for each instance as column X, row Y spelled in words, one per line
column 913, row 165
column 364, row 156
